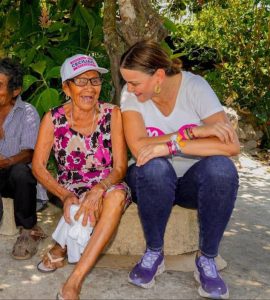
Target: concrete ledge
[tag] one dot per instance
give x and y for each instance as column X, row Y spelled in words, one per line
column 181, row 234
column 8, row 226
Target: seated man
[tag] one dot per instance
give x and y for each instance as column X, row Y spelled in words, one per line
column 19, row 123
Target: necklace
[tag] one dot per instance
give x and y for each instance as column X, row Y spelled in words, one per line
column 72, row 124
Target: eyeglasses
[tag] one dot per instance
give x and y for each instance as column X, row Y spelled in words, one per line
column 84, row 81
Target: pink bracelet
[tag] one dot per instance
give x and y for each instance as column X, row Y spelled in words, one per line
column 171, row 147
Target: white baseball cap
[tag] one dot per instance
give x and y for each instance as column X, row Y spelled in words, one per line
column 78, row 64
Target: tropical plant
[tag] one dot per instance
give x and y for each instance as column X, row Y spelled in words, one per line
column 233, row 35
column 42, row 34
column 236, row 35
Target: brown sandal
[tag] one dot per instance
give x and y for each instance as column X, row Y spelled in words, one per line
column 26, row 244
column 55, row 262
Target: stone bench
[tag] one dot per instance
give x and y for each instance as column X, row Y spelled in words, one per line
column 181, row 233
column 8, row 226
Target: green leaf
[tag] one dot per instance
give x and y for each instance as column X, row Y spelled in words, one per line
column 28, row 80
column 29, row 56
column 35, row 101
column 177, row 55
column 65, row 4
column 165, row 46
column 57, row 26
column 58, row 55
column 88, row 18
column 39, row 67
column 168, row 24
column 49, row 98
column 29, row 15
column 53, row 73
column 77, row 17
column 12, row 18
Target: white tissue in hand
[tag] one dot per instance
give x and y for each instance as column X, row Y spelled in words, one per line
column 74, row 235
column 77, row 231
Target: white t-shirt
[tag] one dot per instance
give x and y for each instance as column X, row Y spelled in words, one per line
column 195, row 101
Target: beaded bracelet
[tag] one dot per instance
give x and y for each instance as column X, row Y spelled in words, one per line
column 189, row 133
column 176, row 144
column 186, row 132
column 171, row 147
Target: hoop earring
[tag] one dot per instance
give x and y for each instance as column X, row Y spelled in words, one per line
column 67, row 98
column 157, row 89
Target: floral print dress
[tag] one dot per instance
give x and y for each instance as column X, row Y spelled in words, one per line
column 83, row 161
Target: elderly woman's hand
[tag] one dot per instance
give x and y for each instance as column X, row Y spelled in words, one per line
column 68, row 200
column 91, row 206
column 223, row 131
column 151, row 151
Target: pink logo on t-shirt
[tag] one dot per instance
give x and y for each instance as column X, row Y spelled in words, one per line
column 154, row 131
column 182, row 128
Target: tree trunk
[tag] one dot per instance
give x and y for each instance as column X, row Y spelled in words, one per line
column 113, row 44
column 138, row 21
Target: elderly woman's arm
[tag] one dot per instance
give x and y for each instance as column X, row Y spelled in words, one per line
column 41, row 155
column 119, row 149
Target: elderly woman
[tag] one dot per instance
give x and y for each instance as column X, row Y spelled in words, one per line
column 89, row 146
column 181, row 146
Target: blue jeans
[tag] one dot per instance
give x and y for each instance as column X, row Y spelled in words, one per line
column 210, row 186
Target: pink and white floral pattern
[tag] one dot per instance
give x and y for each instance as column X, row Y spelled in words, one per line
column 83, row 161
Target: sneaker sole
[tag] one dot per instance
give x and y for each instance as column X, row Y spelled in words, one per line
column 160, row 270
column 203, row 293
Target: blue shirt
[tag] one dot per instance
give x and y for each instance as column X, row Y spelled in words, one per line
column 20, row 129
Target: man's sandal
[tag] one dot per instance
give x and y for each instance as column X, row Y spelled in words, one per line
column 54, row 263
column 26, row 244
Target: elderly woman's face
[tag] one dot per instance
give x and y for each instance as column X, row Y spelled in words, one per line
column 6, row 97
column 85, row 97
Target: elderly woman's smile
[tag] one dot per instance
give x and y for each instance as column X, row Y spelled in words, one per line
column 84, row 90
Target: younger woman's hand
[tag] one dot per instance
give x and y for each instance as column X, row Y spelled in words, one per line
column 223, row 131
column 68, row 200
column 151, row 151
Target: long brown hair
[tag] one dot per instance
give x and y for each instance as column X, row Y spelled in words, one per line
column 147, row 57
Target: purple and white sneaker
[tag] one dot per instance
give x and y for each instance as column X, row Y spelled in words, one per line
column 211, row 284
column 145, row 271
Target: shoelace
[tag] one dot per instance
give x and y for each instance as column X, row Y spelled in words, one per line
column 149, row 258
column 209, row 267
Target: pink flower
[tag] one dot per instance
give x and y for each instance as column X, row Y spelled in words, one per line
column 102, row 153
column 61, row 134
column 76, row 160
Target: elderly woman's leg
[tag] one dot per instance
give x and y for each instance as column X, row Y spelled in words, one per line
column 113, row 206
